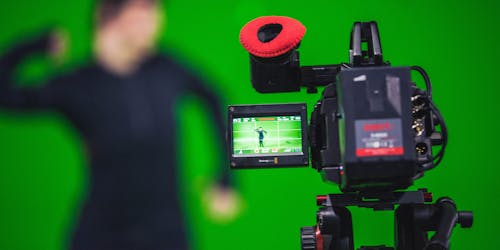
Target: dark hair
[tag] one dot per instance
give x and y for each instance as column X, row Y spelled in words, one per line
column 105, row 10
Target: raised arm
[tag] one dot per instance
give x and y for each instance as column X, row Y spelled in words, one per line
column 12, row 96
column 214, row 106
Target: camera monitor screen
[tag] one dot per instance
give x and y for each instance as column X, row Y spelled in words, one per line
column 268, row 135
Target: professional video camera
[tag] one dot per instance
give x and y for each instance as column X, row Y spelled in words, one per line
column 372, row 132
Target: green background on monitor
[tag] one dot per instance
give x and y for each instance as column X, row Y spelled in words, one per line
column 276, row 135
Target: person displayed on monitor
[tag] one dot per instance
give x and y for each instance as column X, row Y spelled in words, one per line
column 261, row 133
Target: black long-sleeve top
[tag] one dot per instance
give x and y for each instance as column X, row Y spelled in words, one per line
column 129, row 128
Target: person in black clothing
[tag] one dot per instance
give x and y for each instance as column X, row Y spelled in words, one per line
column 123, row 106
column 261, row 133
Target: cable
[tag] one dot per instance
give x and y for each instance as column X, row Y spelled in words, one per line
column 444, row 135
column 436, row 159
column 427, row 80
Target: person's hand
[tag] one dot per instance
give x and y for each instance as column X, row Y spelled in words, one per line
column 223, row 204
column 58, row 46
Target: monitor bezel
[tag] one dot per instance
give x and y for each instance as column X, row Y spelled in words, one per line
column 268, row 161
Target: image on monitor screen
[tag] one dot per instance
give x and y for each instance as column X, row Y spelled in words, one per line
column 266, row 136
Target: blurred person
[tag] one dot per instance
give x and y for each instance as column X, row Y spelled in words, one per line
column 123, row 106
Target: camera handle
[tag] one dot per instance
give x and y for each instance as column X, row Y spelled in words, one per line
column 365, row 32
column 414, row 219
column 370, row 55
column 360, row 56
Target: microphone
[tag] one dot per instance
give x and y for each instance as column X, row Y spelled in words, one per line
column 272, row 42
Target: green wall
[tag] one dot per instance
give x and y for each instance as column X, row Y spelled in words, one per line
column 42, row 167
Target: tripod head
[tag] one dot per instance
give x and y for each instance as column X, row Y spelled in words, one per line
column 415, row 217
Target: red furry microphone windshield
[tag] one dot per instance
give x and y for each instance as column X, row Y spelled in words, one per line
column 271, row 36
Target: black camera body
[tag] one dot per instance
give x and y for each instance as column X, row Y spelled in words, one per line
column 367, row 143
column 372, row 132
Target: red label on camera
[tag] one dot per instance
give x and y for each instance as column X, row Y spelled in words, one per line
column 366, row 152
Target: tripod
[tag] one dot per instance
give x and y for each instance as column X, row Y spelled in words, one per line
column 415, row 217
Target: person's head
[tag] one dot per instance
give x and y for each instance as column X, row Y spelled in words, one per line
column 127, row 26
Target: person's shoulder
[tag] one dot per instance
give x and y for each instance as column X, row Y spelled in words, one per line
column 75, row 74
column 73, row 79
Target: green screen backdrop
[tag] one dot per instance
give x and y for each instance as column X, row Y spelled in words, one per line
column 43, row 171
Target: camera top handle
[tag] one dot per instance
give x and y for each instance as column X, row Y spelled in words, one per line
column 365, row 32
column 362, row 32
